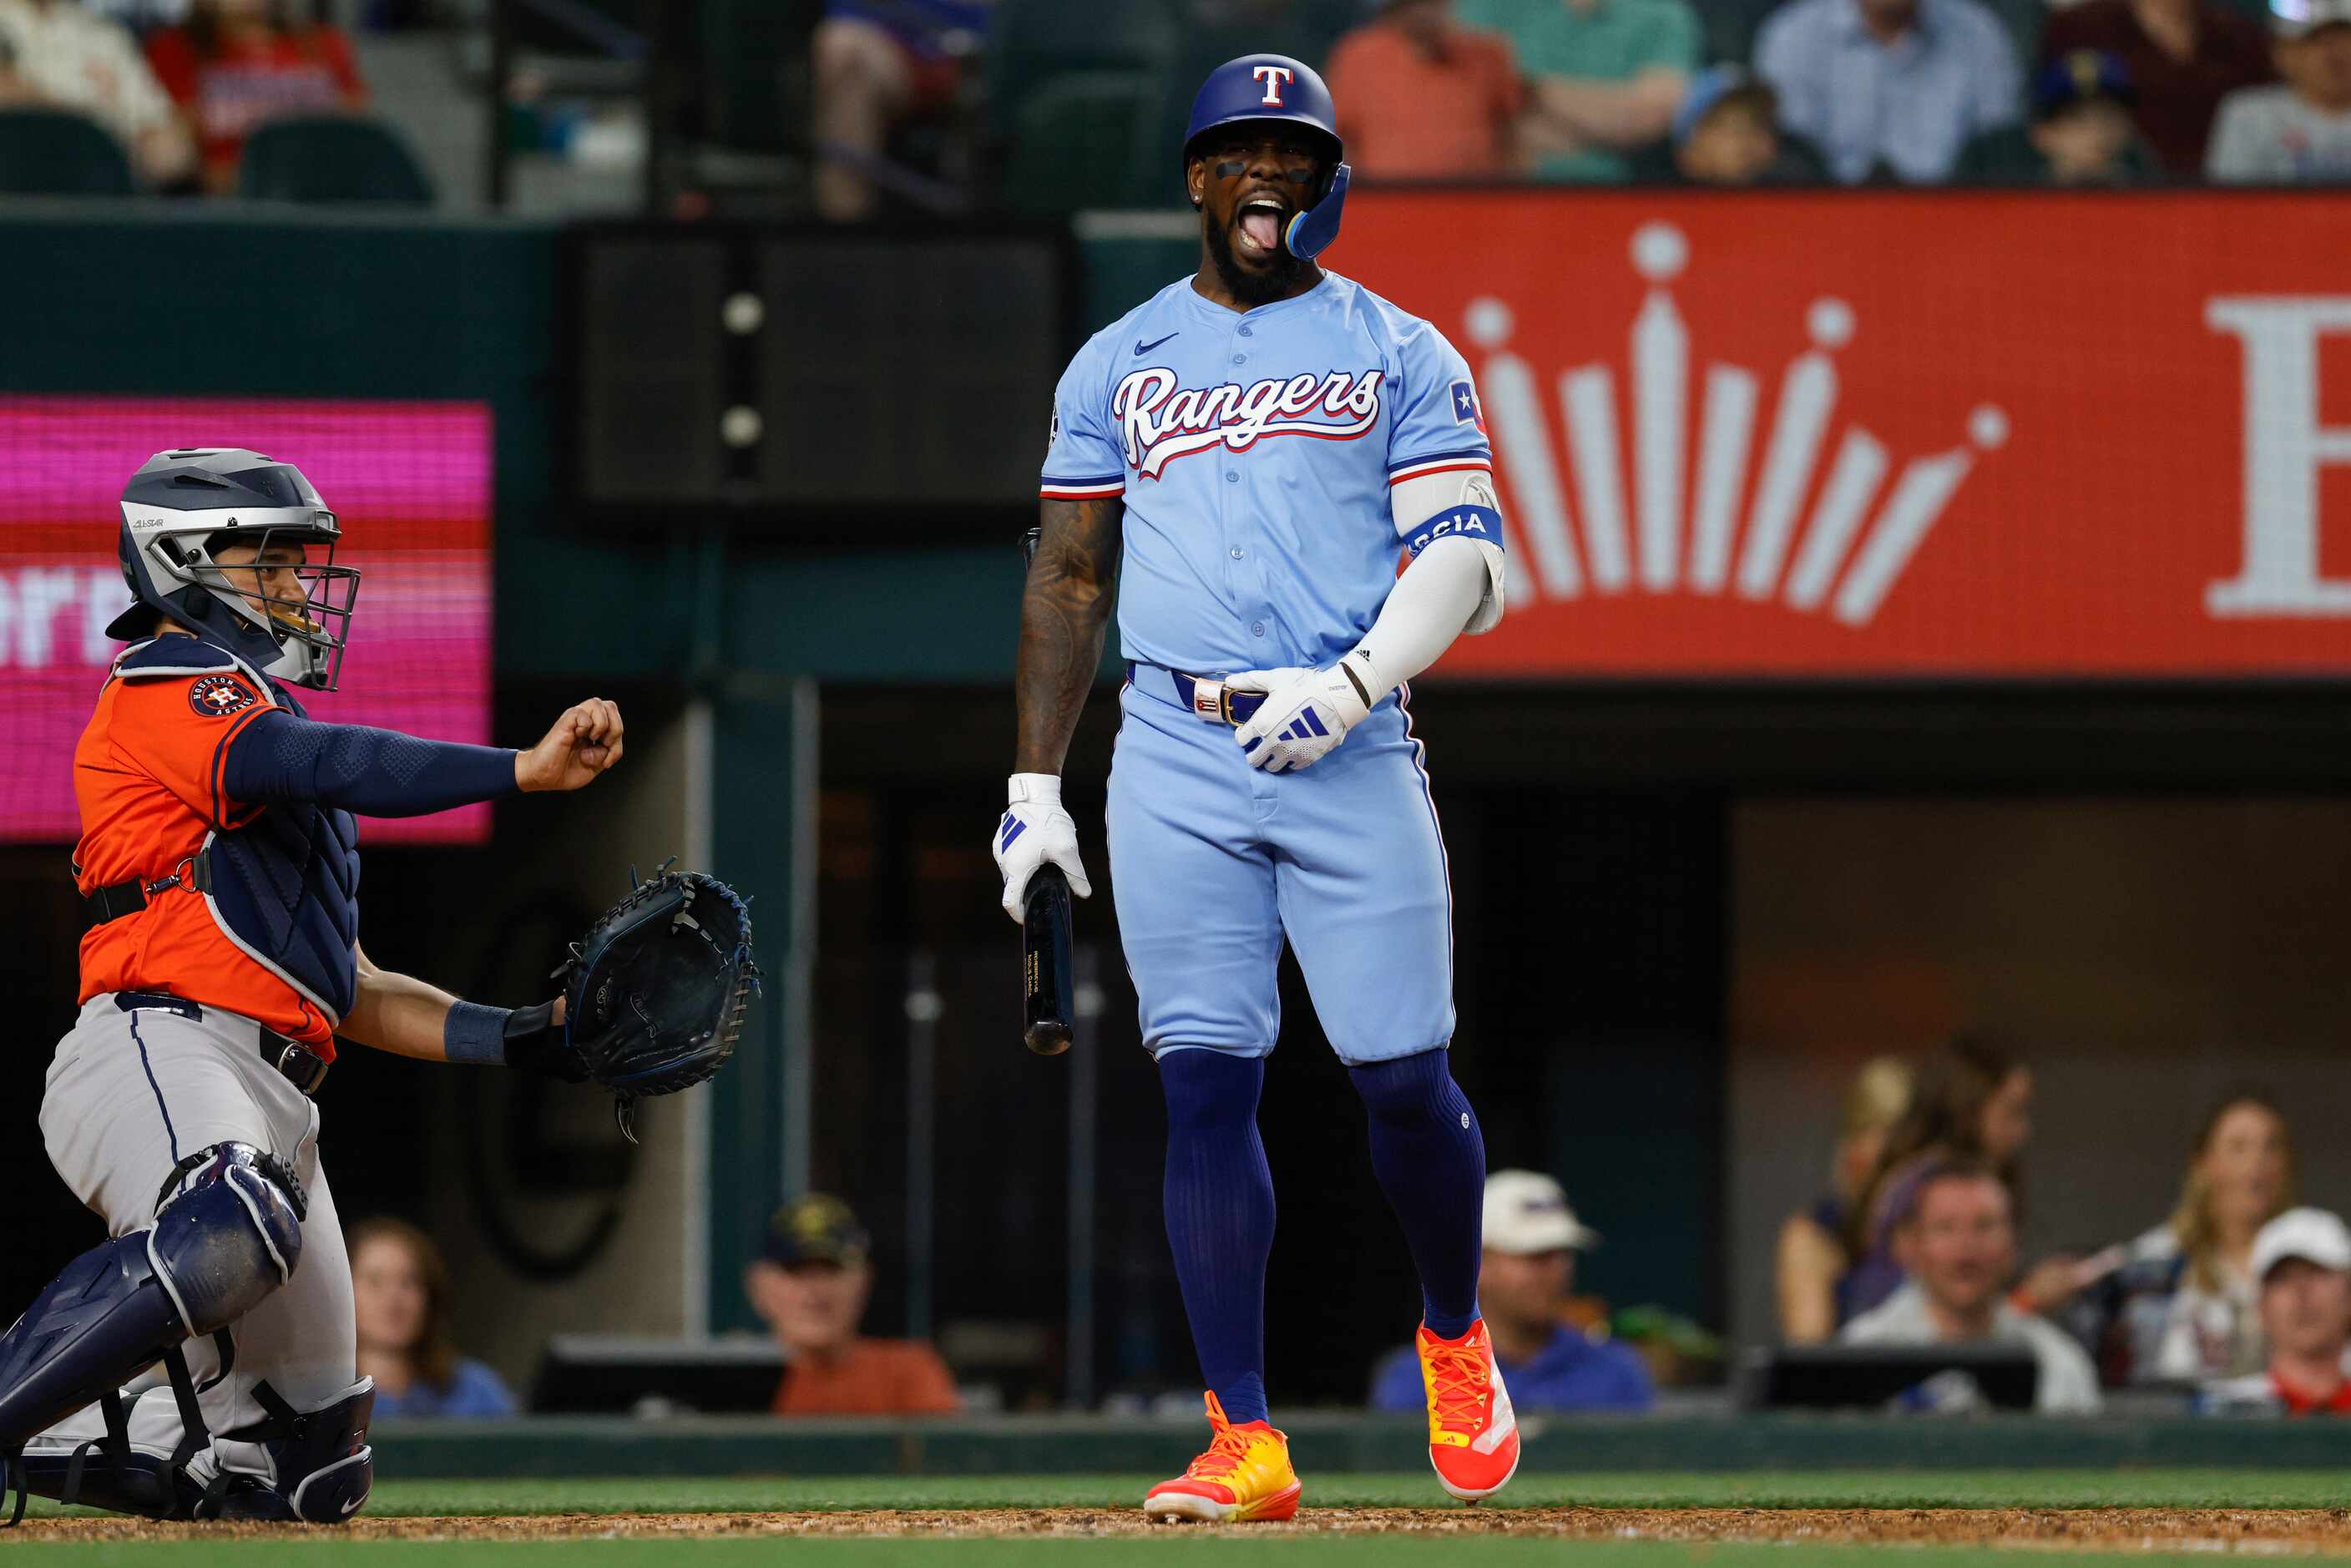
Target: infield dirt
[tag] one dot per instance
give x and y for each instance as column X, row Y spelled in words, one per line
column 2257, row 1529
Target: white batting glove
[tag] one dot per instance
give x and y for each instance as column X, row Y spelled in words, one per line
column 1034, row 829
column 1306, row 713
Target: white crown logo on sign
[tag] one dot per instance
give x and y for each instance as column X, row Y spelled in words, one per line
column 1682, row 537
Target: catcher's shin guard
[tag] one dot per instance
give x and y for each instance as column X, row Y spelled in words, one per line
column 115, row 1471
column 109, row 1476
column 229, row 1233
column 322, row 1464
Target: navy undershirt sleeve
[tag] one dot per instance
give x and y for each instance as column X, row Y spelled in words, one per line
column 375, row 772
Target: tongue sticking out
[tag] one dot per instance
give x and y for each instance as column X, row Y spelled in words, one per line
column 1263, row 229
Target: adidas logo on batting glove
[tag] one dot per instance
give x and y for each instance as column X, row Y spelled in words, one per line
column 1033, row 830
column 1306, row 713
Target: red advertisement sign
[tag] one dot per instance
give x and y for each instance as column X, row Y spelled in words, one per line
column 1860, row 434
column 411, row 482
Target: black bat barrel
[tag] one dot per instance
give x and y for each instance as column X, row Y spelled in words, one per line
column 1045, row 964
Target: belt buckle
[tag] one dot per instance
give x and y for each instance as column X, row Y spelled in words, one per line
column 311, row 1082
column 299, row 1065
column 1212, row 700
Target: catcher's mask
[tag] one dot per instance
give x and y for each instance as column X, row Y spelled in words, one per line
column 285, row 609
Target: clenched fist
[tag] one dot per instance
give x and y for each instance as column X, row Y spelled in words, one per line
column 585, row 742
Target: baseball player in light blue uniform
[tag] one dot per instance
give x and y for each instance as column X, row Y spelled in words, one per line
column 1247, row 458
column 1266, row 544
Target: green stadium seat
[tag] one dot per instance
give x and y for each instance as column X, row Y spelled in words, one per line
column 331, row 158
column 1033, row 41
column 56, row 153
column 1078, row 140
column 1037, row 42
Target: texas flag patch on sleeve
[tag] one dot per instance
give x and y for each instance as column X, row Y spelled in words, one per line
column 1465, row 406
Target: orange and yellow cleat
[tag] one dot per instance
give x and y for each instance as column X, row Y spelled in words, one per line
column 1473, row 1437
column 1245, row 1474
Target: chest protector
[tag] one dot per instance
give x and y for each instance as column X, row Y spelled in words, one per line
column 284, row 885
column 285, row 889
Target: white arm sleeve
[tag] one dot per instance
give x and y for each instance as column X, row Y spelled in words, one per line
column 1414, row 501
column 1430, row 605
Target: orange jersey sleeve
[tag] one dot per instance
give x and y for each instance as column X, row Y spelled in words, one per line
column 176, row 730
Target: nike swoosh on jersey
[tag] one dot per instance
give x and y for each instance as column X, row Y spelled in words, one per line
column 1142, row 348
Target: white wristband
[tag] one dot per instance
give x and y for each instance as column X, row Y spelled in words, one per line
column 1358, row 662
column 1022, row 788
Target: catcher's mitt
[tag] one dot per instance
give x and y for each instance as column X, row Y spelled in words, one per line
column 654, row 994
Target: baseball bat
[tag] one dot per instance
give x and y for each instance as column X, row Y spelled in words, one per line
column 1046, row 1008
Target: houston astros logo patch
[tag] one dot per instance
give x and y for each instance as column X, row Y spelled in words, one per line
column 217, row 697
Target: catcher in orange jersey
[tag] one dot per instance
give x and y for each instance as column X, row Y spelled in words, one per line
column 201, row 1363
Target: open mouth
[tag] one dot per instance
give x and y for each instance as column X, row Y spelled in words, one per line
column 1258, row 227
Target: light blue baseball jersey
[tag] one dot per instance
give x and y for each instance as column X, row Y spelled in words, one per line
column 1255, row 452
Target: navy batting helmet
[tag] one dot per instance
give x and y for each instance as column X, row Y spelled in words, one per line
column 1277, row 88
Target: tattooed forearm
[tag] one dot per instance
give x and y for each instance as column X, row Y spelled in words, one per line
column 1064, row 611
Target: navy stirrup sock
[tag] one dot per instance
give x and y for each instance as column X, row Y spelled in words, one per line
column 1430, row 1157
column 1218, row 1196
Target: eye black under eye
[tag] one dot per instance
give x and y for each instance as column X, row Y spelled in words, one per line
column 1235, row 160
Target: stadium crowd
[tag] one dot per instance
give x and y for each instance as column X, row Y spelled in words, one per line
column 181, row 92
column 2238, row 1297
column 1881, row 91
column 1713, row 92
column 1029, row 104
column 2238, row 1301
